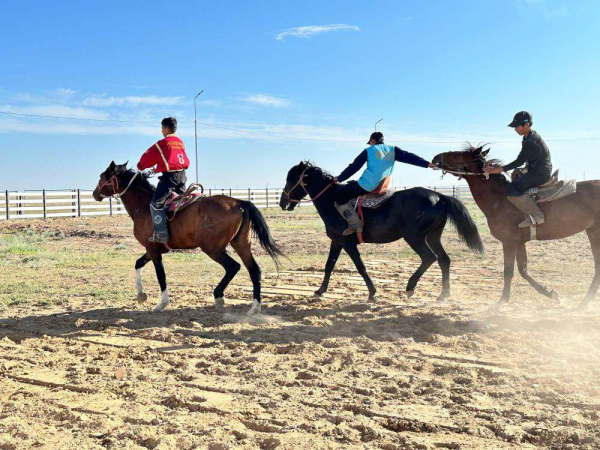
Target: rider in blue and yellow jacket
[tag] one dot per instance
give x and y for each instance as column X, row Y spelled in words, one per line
column 380, row 159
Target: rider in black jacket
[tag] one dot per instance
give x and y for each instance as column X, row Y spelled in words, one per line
column 536, row 156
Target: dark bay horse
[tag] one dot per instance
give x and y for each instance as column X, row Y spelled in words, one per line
column 210, row 223
column 564, row 217
column 418, row 215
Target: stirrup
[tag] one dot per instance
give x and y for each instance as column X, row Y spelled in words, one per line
column 348, row 231
column 159, row 238
column 530, row 221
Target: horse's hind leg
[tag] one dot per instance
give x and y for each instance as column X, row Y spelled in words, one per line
column 231, row 267
column 139, row 265
column 594, row 237
column 428, row 257
column 522, row 266
column 242, row 245
column 435, row 243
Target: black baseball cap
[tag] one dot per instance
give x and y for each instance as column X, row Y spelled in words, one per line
column 378, row 136
column 521, row 118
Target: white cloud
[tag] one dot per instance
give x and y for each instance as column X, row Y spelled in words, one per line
column 266, row 100
column 409, row 18
column 56, row 111
column 149, row 100
column 304, row 32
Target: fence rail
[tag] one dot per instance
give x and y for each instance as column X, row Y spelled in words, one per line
column 80, row 203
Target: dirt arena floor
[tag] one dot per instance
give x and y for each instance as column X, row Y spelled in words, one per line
column 83, row 366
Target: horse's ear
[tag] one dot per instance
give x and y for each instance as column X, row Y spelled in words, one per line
column 485, row 152
column 112, row 166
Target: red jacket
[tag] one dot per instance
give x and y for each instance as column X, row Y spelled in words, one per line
column 168, row 155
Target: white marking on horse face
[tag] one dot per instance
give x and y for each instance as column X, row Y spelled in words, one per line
column 138, row 281
column 256, row 306
column 163, row 303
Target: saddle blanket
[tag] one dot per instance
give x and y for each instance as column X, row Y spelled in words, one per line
column 177, row 202
column 371, row 201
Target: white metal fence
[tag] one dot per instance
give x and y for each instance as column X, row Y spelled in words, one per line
column 80, row 203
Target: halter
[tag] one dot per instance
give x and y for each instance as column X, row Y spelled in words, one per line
column 463, row 172
column 303, row 185
column 114, row 182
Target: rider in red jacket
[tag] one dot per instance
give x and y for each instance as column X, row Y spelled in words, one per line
column 168, row 155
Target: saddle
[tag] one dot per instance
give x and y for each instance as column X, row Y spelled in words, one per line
column 552, row 189
column 375, row 198
column 176, row 202
column 372, row 200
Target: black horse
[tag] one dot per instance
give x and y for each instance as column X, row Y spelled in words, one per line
column 418, row 215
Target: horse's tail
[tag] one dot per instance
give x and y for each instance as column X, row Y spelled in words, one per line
column 261, row 231
column 465, row 226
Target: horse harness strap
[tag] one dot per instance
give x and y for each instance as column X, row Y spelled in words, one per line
column 114, row 182
column 303, row 185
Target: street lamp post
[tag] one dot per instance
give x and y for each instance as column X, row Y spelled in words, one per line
column 377, row 123
column 196, row 132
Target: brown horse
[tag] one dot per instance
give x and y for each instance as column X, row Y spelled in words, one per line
column 210, row 223
column 564, row 217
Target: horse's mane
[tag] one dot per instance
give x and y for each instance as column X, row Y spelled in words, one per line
column 468, row 147
column 141, row 181
column 316, row 169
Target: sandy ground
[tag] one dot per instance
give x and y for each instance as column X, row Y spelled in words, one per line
column 339, row 372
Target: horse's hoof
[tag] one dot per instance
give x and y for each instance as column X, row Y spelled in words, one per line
column 410, row 293
column 219, row 302
column 443, row 297
column 372, row 298
column 583, row 305
column 554, row 296
column 317, row 294
column 142, row 297
column 498, row 305
column 256, row 307
column 160, row 307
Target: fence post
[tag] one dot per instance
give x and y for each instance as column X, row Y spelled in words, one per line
column 110, row 205
column 249, row 199
column 209, row 192
column 230, row 192
column 78, row 203
column 454, row 192
column 267, row 189
column 7, row 205
column 44, row 202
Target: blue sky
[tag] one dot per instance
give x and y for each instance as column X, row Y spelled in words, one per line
column 320, row 73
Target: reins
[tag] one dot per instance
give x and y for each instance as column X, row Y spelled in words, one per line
column 114, row 182
column 303, row 185
column 462, row 173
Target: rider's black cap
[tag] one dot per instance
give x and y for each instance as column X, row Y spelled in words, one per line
column 378, row 136
column 521, row 118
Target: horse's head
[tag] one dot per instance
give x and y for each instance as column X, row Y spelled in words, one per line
column 110, row 180
column 470, row 159
column 294, row 191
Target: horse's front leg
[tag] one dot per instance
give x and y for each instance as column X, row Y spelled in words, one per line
column 354, row 254
column 510, row 250
column 162, row 281
column 522, row 266
column 139, row 265
column 334, row 253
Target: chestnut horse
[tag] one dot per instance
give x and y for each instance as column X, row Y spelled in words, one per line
column 564, row 217
column 210, row 223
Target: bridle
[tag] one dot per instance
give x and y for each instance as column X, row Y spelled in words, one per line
column 303, row 185
column 461, row 169
column 114, row 183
